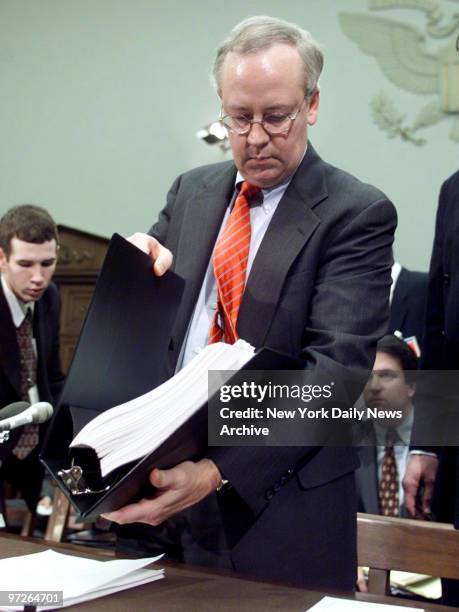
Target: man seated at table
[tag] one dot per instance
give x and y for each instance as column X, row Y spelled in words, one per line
column 29, row 337
column 391, row 388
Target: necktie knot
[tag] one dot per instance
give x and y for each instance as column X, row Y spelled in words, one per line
column 249, row 191
column 27, row 320
column 391, row 437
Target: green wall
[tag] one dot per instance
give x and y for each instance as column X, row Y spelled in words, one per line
column 101, row 100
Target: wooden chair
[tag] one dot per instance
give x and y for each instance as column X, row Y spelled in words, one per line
column 62, row 521
column 407, row 545
column 58, row 521
column 15, row 509
column 19, row 516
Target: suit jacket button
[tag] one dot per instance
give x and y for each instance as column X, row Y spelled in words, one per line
column 269, row 494
column 446, row 279
column 277, row 487
column 283, row 479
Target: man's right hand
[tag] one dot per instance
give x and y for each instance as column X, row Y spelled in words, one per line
column 161, row 256
column 420, row 472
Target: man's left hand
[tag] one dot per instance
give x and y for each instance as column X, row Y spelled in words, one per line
column 418, row 483
column 178, row 488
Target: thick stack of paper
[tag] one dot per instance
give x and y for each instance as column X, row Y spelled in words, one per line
column 132, row 430
column 78, row 578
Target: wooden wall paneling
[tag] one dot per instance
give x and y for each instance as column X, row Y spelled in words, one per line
column 81, row 255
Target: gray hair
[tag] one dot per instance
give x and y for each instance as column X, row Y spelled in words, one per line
column 257, row 33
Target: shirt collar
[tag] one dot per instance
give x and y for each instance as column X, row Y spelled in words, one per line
column 395, row 273
column 17, row 307
column 277, row 191
column 402, row 432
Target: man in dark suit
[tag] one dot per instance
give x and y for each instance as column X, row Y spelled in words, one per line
column 408, row 302
column 317, row 287
column 28, row 253
column 429, row 467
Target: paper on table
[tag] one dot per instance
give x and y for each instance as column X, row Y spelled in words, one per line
column 79, row 578
column 334, row 604
column 410, row 582
column 420, row 584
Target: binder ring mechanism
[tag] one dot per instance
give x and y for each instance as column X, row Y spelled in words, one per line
column 76, row 482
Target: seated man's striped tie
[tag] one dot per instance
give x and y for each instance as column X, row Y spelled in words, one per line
column 389, row 503
column 230, row 266
column 29, row 437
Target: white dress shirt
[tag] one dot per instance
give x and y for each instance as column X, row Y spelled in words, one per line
column 395, row 273
column 261, row 214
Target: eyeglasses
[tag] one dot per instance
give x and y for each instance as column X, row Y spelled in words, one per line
column 273, row 123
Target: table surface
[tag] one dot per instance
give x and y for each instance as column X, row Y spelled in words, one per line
column 190, row 588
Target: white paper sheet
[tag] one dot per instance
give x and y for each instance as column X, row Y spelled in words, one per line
column 79, row 578
column 334, row 604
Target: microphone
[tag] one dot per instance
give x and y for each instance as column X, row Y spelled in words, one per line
column 13, row 409
column 38, row 413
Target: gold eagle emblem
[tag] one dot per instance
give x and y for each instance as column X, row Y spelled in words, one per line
column 402, row 55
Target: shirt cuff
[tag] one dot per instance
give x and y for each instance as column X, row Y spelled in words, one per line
column 421, row 452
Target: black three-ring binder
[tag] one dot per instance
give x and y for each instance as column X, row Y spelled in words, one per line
column 120, row 355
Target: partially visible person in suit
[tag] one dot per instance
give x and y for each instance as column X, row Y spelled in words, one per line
column 29, row 337
column 432, row 477
column 408, row 295
column 311, row 278
column 391, row 387
column 383, row 458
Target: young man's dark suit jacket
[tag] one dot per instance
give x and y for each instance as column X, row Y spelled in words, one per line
column 318, row 289
column 49, row 381
column 407, row 310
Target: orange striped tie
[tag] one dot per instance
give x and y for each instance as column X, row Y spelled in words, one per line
column 230, row 266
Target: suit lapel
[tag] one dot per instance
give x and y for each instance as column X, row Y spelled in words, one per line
column 42, row 341
column 367, row 478
column 9, row 349
column 203, row 219
column 291, row 227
